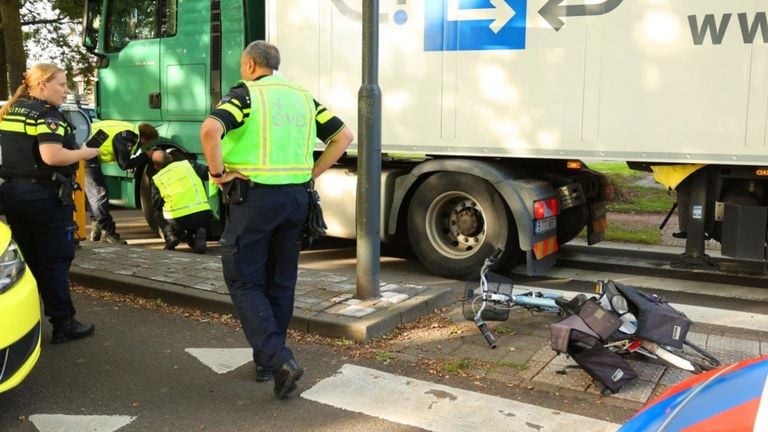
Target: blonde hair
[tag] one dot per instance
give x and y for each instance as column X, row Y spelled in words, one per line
column 41, row 72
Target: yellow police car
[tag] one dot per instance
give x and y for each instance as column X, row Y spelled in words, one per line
column 19, row 314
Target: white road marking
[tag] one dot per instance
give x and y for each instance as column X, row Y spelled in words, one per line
column 439, row 408
column 222, row 360
column 79, row 423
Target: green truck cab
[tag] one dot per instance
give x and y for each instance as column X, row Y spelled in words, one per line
column 167, row 69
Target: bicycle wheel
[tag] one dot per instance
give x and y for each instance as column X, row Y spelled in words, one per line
column 699, row 358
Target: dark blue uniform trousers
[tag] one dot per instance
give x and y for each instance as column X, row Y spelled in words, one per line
column 43, row 230
column 260, row 257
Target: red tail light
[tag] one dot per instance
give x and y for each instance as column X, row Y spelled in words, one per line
column 545, row 208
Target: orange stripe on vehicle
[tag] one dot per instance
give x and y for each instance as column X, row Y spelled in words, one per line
column 545, row 248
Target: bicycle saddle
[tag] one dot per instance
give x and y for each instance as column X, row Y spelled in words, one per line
column 572, row 306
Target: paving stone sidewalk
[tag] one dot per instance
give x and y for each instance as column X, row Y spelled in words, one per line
column 324, row 305
column 524, row 356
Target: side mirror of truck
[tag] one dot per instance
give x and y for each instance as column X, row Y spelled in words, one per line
column 91, row 23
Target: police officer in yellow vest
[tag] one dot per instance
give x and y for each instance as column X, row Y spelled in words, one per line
column 270, row 127
column 122, row 136
column 180, row 201
column 102, row 224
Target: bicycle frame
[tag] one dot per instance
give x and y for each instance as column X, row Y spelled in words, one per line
column 535, row 300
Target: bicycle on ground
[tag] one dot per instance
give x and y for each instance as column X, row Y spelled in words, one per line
column 494, row 304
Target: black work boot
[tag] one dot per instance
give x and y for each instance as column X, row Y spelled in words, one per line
column 198, row 242
column 286, row 377
column 95, row 232
column 112, row 237
column 171, row 241
column 262, row 375
column 70, row 329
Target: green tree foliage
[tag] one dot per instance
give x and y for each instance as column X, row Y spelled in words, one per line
column 50, row 31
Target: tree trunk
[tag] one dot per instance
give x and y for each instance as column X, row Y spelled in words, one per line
column 16, row 58
column 4, row 92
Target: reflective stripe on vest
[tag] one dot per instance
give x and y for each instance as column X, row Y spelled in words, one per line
column 275, row 144
column 20, row 130
column 181, row 189
column 112, row 128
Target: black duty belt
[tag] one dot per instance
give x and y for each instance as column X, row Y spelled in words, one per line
column 254, row 185
column 42, row 181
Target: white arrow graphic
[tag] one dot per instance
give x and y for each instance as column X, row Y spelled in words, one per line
column 69, row 423
column 222, row 360
column 500, row 13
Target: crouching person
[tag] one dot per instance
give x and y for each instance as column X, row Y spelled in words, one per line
column 180, row 201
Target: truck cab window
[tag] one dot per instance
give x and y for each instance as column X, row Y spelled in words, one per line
column 139, row 19
column 168, row 20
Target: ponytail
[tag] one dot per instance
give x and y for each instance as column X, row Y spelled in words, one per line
column 21, row 91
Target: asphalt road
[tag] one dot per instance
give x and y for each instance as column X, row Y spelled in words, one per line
column 136, row 365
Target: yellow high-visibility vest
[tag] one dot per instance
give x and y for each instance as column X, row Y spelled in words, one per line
column 112, row 128
column 275, row 144
column 181, row 189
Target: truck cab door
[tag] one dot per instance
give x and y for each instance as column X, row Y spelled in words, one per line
column 184, row 62
column 132, row 49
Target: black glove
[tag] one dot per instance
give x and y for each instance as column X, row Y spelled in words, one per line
column 314, row 226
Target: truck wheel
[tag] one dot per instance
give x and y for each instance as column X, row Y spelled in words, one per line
column 145, row 197
column 456, row 221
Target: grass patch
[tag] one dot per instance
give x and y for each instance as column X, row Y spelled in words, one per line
column 642, row 234
column 504, row 330
column 631, row 193
column 458, row 366
column 512, row 365
column 343, row 342
column 633, row 234
column 385, row 357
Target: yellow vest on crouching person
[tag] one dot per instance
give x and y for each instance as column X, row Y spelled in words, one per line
column 181, row 189
column 275, row 144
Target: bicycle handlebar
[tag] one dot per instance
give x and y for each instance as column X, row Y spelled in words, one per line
column 486, row 333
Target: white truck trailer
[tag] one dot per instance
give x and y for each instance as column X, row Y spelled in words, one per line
column 501, row 94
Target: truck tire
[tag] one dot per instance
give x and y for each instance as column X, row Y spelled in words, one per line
column 145, row 197
column 456, row 221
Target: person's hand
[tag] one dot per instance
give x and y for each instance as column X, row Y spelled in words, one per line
column 228, row 177
column 88, row 152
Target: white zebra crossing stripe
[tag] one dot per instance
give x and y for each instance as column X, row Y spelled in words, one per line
column 222, row 360
column 79, row 423
column 439, row 408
